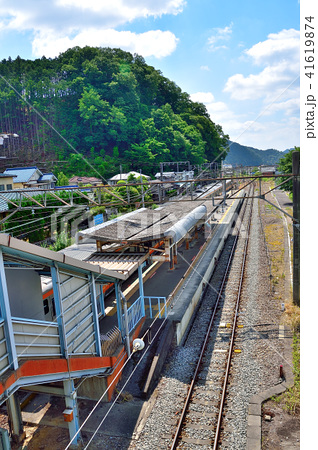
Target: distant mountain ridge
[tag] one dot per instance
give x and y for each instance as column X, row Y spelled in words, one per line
column 250, row 156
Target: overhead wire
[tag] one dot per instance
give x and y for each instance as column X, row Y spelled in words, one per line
column 133, row 197
column 27, row 223
column 158, row 315
column 119, row 393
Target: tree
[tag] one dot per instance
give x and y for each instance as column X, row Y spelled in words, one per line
column 62, row 180
column 102, row 98
column 285, row 165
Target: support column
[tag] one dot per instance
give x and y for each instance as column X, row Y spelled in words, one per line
column 127, row 338
column 142, row 191
column 296, row 229
column 224, row 192
column 175, row 254
column 59, row 309
column 171, row 257
column 141, row 289
column 15, row 418
column 71, row 405
column 95, row 314
column 6, row 315
column 101, row 301
column 119, row 308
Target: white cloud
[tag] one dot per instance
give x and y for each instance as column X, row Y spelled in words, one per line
column 278, row 47
column 152, row 43
column 220, row 35
column 58, row 25
column 129, row 9
column 219, row 112
column 203, row 97
column 274, row 134
column 62, row 14
column 280, row 56
column 252, row 128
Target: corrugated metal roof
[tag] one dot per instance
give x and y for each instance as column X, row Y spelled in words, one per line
column 79, row 251
column 47, row 177
column 16, row 194
column 35, row 253
column 23, row 173
column 8, row 195
column 77, row 179
column 124, row 263
column 143, row 224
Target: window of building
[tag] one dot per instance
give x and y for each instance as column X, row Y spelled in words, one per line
column 1, row 187
column 9, row 187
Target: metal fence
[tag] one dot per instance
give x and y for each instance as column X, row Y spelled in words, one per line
column 145, row 306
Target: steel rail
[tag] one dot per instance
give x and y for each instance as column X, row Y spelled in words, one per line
column 191, row 387
column 198, row 364
column 206, row 339
column 221, row 408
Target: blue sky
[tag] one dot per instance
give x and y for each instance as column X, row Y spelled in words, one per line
column 240, row 57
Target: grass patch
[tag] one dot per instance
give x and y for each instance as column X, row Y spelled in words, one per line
column 290, row 400
column 275, row 241
column 292, row 396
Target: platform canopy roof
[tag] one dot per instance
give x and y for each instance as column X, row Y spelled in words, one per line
column 144, row 224
column 21, row 252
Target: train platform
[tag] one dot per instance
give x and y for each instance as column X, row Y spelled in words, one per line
column 183, row 285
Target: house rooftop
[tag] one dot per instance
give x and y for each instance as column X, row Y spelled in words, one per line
column 23, row 174
column 124, row 176
column 84, row 179
column 5, row 175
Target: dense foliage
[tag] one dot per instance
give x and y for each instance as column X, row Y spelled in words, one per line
column 37, row 224
column 56, row 221
column 286, row 166
column 107, row 105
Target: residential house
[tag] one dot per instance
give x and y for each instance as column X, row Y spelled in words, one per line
column 83, row 181
column 268, row 170
column 6, row 182
column 29, row 177
column 124, row 177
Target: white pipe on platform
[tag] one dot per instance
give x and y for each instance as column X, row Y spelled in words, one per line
column 181, row 228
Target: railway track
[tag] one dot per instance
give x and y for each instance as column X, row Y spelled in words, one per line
column 213, row 335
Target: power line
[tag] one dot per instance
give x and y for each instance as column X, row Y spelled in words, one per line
column 120, row 392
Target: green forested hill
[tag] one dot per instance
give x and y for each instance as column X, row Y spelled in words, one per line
column 106, row 104
column 249, row 156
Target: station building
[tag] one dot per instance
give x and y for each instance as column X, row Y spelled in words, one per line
column 58, row 323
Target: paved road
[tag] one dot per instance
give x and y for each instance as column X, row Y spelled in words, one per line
column 283, row 200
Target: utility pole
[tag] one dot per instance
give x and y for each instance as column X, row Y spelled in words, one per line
column 296, row 229
column 142, row 190
column 160, row 186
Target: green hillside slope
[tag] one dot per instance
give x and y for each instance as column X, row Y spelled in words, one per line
column 105, row 104
column 249, row 156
